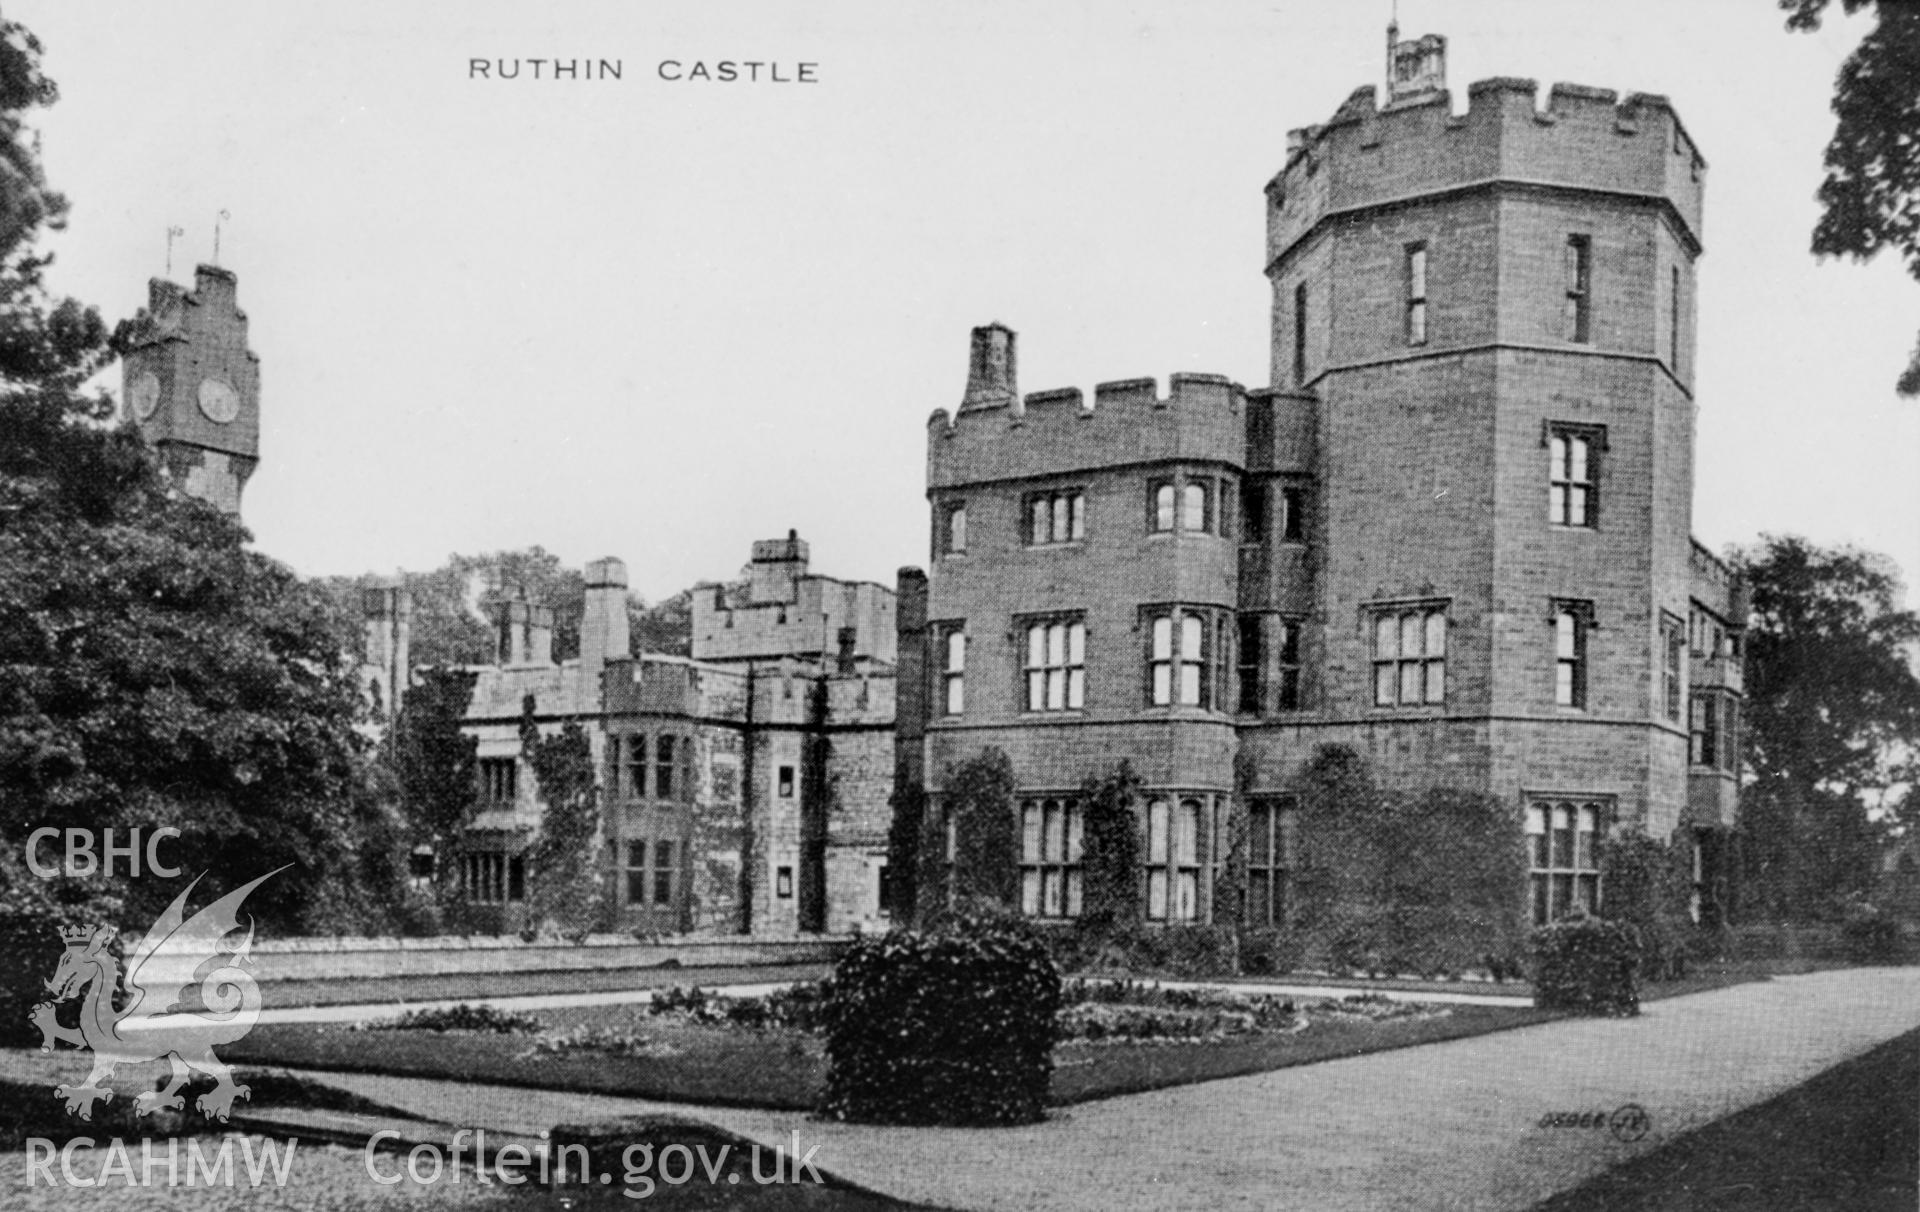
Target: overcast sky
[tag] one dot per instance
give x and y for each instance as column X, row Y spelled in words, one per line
column 659, row 320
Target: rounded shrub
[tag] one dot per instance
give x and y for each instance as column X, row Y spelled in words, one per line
column 1587, row 965
column 1870, row 937
column 953, row 1028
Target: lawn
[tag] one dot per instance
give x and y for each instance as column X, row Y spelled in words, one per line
column 1848, row 1139
column 673, row 1060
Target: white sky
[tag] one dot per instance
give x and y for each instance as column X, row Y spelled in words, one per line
column 661, row 320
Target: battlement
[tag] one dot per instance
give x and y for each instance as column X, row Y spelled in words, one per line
column 1202, row 417
column 790, row 612
column 173, row 311
column 1584, row 138
column 1717, row 585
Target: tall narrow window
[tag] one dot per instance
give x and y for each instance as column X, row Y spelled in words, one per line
column 1293, row 515
column 1160, row 662
column 1674, row 640
column 1050, row 848
column 1253, row 512
column 636, row 873
column 1564, row 858
column 1409, row 657
column 635, row 775
column 1289, row 668
column 1730, row 733
column 663, row 767
column 1056, row 517
column 1196, row 502
column 1416, row 294
column 785, row 782
column 1056, row 665
column 1251, row 652
column 1570, row 478
column 1579, row 274
column 953, row 675
column 1160, row 506
column 1173, row 865
column 1673, row 322
column 1705, row 730
column 1569, row 656
column 1186, row 862
column 663, row 870
column 954, row 538
column 1299, row 334
column 1270, row 849
column 1193, row 660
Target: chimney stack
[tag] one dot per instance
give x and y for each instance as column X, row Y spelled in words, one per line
column 387, row 609
column 992, row 370
column 604, row 634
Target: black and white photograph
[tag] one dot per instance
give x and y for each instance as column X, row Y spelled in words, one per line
column 1245, row 604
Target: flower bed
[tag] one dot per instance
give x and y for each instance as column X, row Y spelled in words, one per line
column 1105, row 1012
column 796, row 1007
column 1128, row 1012
column 463, row 1017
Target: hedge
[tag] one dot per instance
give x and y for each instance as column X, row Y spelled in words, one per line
column 952, row 1028
column 1588, row 965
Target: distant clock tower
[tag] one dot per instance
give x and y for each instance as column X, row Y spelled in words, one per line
column 192, row 387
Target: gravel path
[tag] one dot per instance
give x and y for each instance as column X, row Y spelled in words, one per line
column 1451, row 1125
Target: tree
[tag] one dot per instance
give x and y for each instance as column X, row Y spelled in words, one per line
column 564, row 879
column 1833, row 720
column 1110, row 849
column 1873, row 160
column 979, row 796
column 153, row 671
column 434, row 763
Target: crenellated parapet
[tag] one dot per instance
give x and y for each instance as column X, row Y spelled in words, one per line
column 1582, row 139
column 1201, row 418
column 1717, row 585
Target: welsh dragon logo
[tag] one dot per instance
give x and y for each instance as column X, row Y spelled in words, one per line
column 160, row 973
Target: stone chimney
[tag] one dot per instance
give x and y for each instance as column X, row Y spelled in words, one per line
column 539, row 649
column 510, row 624
column 992, row 370
column 1417, row 68
column 387, row 610
column 603, row 624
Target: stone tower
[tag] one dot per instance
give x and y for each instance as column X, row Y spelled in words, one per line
column 1490, row 316
column 192, row 386
column 1452, row 536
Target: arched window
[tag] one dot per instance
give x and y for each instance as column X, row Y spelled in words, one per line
column 1195, row 514
column 1163, row 500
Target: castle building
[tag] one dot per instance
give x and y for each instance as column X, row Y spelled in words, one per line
column 744, row 789
column 192, row 387
column 1452, row 534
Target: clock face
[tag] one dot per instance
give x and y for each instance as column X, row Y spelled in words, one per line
column 219, row 401
column 146, row 396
